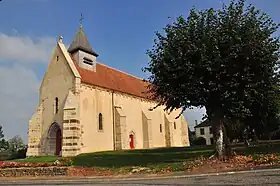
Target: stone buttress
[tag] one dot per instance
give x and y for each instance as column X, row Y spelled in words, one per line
column 34, row 133
column 71, row 142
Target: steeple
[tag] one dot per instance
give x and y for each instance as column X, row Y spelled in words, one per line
column 81, row 50
column 80, row 42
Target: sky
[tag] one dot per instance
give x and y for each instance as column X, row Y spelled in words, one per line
column 119, row 31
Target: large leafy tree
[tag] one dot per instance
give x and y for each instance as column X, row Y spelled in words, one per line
column 16, row 143
column 225, row 60
column 265, row 112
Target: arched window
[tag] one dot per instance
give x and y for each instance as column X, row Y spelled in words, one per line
column 160, row 128
column 175, row 125
column 56, row 104
column 100, row 122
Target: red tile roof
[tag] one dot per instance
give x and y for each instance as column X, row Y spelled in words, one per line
column 113, row 79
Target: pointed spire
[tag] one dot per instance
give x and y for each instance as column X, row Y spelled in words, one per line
column 80, row 42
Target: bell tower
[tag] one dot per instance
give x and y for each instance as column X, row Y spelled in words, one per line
column 82, row 51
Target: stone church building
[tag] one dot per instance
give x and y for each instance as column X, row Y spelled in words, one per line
column 85, row 106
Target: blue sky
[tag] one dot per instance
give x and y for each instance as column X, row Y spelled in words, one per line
column 119, row 31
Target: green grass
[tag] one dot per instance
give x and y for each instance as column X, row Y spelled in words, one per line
column 38, row 159
column 150, row 157
column 259, row 149
column 160, row 157
column 156, row 158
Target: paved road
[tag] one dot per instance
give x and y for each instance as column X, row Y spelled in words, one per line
column 266, row 177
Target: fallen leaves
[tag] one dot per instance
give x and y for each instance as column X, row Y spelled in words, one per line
column 82, row 171
column 23, row 164
column 238, row 162
column 10, row 164
column 198, row 165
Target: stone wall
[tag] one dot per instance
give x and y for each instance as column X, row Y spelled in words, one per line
column 39, row 171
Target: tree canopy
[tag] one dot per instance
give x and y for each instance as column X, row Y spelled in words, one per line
column 16, row 143
column 225, row 60
column 3, row 143
column 1, row 132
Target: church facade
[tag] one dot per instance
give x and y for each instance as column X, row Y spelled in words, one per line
column 85, row 106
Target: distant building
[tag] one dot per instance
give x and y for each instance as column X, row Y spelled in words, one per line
column 204, row 129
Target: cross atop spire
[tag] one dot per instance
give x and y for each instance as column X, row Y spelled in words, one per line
column 81, row 20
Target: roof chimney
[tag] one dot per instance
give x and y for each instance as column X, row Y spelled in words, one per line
column 195, row 121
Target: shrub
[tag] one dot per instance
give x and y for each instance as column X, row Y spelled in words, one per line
column 199, row 141
column 4, row 156
column 66, row 161
column 20, row 154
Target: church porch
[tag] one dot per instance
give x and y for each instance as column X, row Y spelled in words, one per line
column 53, row 143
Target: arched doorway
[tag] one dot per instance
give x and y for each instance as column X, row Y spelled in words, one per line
column 54, row 140
column 132, row 140
column 58, row 142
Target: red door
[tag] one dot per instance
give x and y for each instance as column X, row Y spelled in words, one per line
column 131, row 141
column 58, row 142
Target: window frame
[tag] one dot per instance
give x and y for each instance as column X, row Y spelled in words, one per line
column 100, row 122
column 56, row 105
column 200, row 130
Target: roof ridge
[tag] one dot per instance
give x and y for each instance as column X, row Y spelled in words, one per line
column 204, row 123
column 114, row 79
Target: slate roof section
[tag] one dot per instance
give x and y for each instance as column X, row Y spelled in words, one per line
column 205, row 123
column 80, row 42
column 112, row 79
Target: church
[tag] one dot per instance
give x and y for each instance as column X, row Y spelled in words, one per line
column 85, row 106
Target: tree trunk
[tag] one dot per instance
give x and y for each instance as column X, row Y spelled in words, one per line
column 246, row 137
column 223, row 147
column 227, row 147
column 220, row 141
column 219, row 136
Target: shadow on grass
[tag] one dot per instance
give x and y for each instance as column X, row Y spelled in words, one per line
column 118, row 159
column 260, row 149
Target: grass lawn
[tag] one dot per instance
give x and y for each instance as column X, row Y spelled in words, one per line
column 150, row 157
column 128, row 158
column 38, row 159
column 259, row 149
column 153, row 158
column 161, row 156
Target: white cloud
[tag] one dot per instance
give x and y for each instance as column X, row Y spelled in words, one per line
column 19, row 84
column 18, row 98
column 25, row 49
